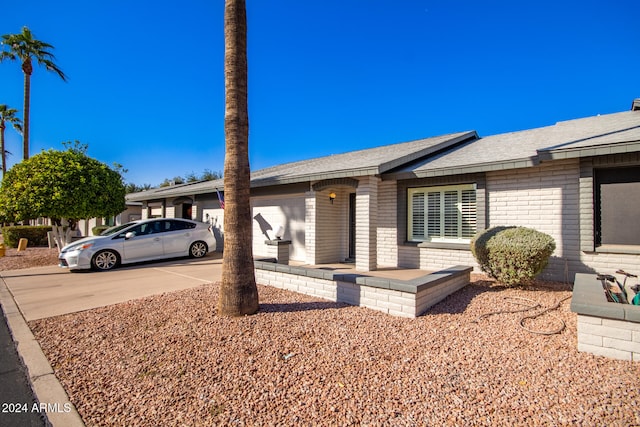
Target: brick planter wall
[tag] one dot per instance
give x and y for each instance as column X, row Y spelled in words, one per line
column 604, row 328
column 404, row 298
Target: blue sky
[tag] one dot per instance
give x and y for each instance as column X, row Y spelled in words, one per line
column 146, row 84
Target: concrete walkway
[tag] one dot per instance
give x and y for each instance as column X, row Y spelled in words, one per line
column 51, row 291
column 42, row 292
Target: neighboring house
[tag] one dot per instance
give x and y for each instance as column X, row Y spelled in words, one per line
column 84, row 227
column 417, row 204
column 132, row 212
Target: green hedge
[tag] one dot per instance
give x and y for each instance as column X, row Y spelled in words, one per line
column 98, row 229
column 512, row 255
column 35, row 234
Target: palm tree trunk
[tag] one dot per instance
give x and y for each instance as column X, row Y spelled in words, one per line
column 3, row 155
column 27, row 69
column 238, row 291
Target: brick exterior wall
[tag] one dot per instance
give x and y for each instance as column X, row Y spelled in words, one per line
column 366, row 223
column 326, row 231
column 387, row 230
column 545, row 198
column 555, row 197
column 437, row 258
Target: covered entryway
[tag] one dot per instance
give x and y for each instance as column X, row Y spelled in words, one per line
column 183, row 207
column 351, row 257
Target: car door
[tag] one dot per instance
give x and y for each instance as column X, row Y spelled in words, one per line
column 178, row 237
column 146, row 243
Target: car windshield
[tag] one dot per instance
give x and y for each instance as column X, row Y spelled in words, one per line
column 114, row 230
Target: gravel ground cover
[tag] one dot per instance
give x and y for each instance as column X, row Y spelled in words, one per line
column 170, row 360
column 32, row 257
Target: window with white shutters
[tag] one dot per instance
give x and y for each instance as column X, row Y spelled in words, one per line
column 442, row 214
column 417, row 221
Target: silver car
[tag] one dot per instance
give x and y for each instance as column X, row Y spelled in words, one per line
column 137, row 241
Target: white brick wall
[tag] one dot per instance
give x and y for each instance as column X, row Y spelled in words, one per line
column 544, row 198
column 310, row 227
column 547, row 198
column 617, row 339
column 326, row 226
column 387, row 230
column 436, row 259
column 366, row 223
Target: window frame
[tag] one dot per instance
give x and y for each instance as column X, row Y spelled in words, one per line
column 442, row 206
column 603, row 176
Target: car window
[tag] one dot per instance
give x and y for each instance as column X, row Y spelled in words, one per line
column 181, row 225
column 156, row 227
column 138, row 230
column 116, row 229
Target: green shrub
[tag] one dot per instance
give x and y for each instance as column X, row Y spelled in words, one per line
column 35, row 234
column 98, row 229
column 512, row 255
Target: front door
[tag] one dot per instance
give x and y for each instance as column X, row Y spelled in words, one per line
column 186, row 210
column 352, row 226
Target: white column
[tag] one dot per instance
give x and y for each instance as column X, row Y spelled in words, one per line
column 310, row 227
column 366, row 223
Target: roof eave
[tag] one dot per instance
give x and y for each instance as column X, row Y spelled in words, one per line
column 465, row 169
column 392, row 164
column 593, row 150
column 349, row 173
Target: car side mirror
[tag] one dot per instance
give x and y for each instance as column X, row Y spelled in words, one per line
column 129, row 235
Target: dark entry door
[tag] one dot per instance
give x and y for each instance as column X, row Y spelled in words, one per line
column 186, row 210
column 352, row 226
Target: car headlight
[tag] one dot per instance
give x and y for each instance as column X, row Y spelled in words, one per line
column 82, row 247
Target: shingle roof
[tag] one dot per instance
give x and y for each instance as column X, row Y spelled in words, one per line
column 450, row 154
column 606, row 134
column 199, row 187
column 371, row 161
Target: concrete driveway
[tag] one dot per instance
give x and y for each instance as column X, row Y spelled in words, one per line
column 51, row 291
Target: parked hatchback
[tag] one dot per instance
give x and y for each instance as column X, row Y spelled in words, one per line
column 137, row 241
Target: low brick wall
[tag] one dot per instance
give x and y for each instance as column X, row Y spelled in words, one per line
column 604, row 328
column 405, row 298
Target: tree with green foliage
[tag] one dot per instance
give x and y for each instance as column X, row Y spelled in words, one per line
column 135, row 188
column 177, row 180
column 7, row 115
column 65, row 186
column 25, row 48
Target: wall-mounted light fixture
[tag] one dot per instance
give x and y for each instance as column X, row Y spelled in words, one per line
column 332, row 196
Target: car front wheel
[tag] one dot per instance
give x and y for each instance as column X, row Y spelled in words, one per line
column 105, row 260
column 198, row 249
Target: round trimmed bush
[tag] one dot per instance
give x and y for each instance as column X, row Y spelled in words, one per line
column 512, row 255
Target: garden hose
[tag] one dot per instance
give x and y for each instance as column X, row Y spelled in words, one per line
column 534, row 305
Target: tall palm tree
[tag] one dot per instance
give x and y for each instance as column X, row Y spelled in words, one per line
column 7, row 115
column 238, row 291
column 24, row 48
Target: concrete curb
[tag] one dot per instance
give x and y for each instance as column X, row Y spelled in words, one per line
column 48, row 390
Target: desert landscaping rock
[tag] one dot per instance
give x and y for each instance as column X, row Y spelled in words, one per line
column 32, row 257
column 170, row 360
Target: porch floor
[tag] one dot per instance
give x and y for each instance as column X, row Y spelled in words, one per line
column 384, row 272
